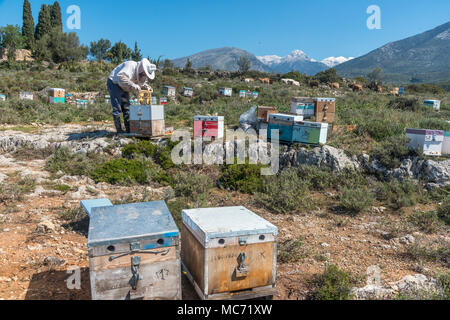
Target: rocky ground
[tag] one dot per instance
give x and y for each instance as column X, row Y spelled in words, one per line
column 38, row 248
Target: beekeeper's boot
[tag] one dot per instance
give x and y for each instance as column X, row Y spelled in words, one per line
column 126, row 120
column 118, row 124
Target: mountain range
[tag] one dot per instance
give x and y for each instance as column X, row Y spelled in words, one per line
column 421, row 58
column 226, row 59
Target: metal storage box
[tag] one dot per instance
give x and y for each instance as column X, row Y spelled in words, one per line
column 446, row 145
column 188, row 92
column 147, row 120
column 435, row 104
column 284, row 123
column 134, row 253
column 325, row 110
column 26, row 96
column 310, row 132
column 169, row 91
column 429, row 142
column 229, row 253
column 303, row 106
column 209, row 126
column 264, row 112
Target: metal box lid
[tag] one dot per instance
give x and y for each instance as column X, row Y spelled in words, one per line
column 310, row 124
column 325, row 100
column 285, row 117
column 208, row 118
column 130, row 222
column 88, row 205
column 213, row 223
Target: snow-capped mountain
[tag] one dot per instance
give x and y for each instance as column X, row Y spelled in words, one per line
column 334, row 61
column 298, row 60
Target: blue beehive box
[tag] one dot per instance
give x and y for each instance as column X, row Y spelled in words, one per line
column 133, row 251
column 284, row 123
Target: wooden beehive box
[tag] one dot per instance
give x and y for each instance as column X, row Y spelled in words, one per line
column 134, row 252
column 325, row 110
column 147, row 120
column 264, row 112
column 229, row 253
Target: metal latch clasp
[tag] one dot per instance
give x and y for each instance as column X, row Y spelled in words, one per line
column 242, row 270
column 135, row 266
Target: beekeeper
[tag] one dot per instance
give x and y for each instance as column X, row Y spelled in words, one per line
column 126, row 78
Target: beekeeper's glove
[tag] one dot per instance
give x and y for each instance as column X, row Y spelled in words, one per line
column 136, row 87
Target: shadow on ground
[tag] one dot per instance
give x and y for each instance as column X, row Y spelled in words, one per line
column 78, row 136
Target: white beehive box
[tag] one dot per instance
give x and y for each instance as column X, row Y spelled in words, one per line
column 229, row 253
column 303, row 106
column 435, row 104
column 2, row 97
column 429, row 142
column 446, row 145
column 26, row 96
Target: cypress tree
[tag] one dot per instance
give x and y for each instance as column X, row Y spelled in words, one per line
column 55, row 16
column 136, row 55
column 44, row 25
column 28, row 25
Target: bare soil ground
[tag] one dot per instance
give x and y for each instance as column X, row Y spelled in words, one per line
column 352, row 243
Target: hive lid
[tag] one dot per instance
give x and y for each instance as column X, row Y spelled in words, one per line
column 130, row 222
column 213, row 223
column 88, row 205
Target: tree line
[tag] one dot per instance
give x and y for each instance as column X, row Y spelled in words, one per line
column 48, row 42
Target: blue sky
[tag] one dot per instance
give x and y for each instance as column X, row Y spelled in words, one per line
column 176, row 28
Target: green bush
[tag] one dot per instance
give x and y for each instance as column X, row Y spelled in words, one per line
column 245, row 178
column 355, row 200
column 191, row 184
column 333, row 284
column 12, row 191
column 284, row 193
column 406, row 104
column 399, row 194
column 143, row 147
column 72, row 164
column 380, row 129
column 121, row 171
column 390, row 153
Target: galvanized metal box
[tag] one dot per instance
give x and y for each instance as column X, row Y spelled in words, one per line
column 209, row 126
column 310, row 132
column 134, row 253
column 284, row 123
column 229, row 253
column 435, row 104
column 26, row 96
column 429, row 142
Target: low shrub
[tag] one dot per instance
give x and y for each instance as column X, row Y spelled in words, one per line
column 399, row 194
column 245, row 178
column 406, row 104
column 380, row 129
column 355, row 200
column 333, row 284
column 427, row 222
column 292, row 251
column 443, row 211
column 191, row 185
column 12, row 191
column 440, row 254
column 392, row 152
column 71, row 163
column 284, row 193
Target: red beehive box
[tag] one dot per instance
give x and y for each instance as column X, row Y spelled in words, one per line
column 209, row 126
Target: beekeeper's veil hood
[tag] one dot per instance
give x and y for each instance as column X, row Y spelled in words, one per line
column 147, row 67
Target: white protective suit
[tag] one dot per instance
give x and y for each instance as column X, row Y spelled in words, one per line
column 126, row 75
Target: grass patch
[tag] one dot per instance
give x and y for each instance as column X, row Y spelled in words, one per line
column 427, row 222
column 76, row 220
column 439, row 254
column 72, row 164
column 443, row 212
